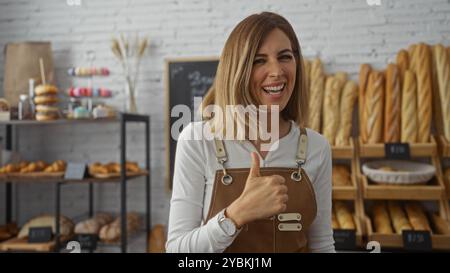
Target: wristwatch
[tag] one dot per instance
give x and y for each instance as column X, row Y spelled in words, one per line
column 226, row 224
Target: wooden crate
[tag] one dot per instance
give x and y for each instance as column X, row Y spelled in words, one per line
column 16, row 244
column 359, row 231
column 416, row 149
column 347, row 192
column 343, row 152
column 444, row 146
column 439, row 242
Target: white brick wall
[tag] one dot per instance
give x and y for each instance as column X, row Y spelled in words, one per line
column 343, row 33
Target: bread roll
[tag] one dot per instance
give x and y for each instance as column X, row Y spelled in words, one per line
column 398, row 217
column 409, row 109
column 392, row 105
column 348, row 98
column 66, row 225
column 442, row 68
column 364, row 73
column 341, row 176
column 402, row 63
column 157, row 241
column 93, row 225
column 111, row 232
column 417, row 217
column 424, row 92
column 343, row 215
column 373, row 110
column 317, row 87
column 331, row 108
column 440, row 225
column 382, row 222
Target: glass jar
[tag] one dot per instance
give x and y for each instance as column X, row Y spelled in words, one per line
column 24, row 111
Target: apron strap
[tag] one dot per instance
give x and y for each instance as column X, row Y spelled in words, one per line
column 302, row 147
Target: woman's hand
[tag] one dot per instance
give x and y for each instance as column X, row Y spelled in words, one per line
column 263, row 197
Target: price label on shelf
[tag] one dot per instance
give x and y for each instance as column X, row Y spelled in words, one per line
column 40, row 235
column 87, row 241
column 344, row 239
column 75, row 171
column 414, row 240
column 397, row 150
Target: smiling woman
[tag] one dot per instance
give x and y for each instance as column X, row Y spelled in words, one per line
column 233, row 196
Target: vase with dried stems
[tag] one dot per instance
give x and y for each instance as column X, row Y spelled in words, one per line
column 130, row 52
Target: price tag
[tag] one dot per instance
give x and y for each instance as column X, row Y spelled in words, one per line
column 87, row 241
column 397, row 150
column 40, row 234
column 75, row 171
column 344, row 239
column 414, row 240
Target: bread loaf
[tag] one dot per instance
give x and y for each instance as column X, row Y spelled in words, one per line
column 392, row 105
column 316, row 95
column 417, row 217
column 93, row 225
column 348, row 98
column 382, row 222
column 341, row 176
column 398, row 217
column 442, row 68
column 402, row 63
column 409, row 109
column 364, row 72
column 424, row 93
column 334, row 222
column 331, row 108
column 440, row 225
column 343, row 215
column 373, row 110
column 66, row 225
column 157, row 241
column 112, row 231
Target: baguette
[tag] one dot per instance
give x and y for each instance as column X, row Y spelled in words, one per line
column 334, row 222
column 392, row 105
column 364, row 72
column 440, row 225
column 348, row 98
column 409, row 109
column 417, row 217
column 341, row 176
column 399, row 220
column 424, row 92
column 157, row 241
column 442, row 68
column 307, row 66
column 331, row 109
column 316, row 95
column 402, row 63
column 382, row 222
column 373, row 110
column 344, row 216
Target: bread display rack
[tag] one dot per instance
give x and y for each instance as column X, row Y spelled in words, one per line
column 54, row 245
column 432, row 193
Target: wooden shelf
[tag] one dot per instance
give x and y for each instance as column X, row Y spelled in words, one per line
column 59, row 121
column 22, row 245
column 343, row 152
column 359, row 232
column 416, row 149
column 16, row 179
column 431, row 191
column 444, row 146
column 346, row 192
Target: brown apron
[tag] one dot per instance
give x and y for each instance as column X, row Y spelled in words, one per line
column 285, row 232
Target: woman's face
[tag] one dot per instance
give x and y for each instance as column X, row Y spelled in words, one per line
column 274, row 70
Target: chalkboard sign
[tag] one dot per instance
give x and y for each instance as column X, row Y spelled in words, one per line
column 415, row 240
column 344, row 239
column 75, row 171
column 397, row 150
column 39, row 234
column 187, row 80
column 88, row 241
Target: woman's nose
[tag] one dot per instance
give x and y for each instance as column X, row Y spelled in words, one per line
column 275, row 69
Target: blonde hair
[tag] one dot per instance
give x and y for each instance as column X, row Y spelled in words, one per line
column 232, row 82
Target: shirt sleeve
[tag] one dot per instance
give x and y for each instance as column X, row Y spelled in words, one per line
column 321, row 232
column 185, row 230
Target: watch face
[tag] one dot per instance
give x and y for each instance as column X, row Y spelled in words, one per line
column 228, row 227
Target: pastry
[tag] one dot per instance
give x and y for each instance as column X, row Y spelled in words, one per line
column 46, row 99
column 157, row 241
column 440, row 225
column 47, row 109
column 409, row 106
column 343, row 215
column 55, row 167
column 341, row 176
column 424, row 92
column 66, row 225
column 442, row 68
column 111, row 232
column 317, row 85
column 382, row 222
column 373, row 110
column 348, row 98
column 392, row 106
column 93, row 225
column 364, row 72
column 417, row 216
column 46, row 116
column 45, row 89
column 331, row 109
column 398, row 217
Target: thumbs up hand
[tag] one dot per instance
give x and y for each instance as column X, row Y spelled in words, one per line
column 262, row 197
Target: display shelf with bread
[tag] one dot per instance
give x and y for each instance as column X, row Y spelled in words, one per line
column 444, row 146
column 344, row 182
column 415, row 149
column 344, row 218
column 386, row 221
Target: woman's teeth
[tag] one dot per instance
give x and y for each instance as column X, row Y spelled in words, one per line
column 274, row 89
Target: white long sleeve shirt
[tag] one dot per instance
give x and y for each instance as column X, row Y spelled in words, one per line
column 194, row 172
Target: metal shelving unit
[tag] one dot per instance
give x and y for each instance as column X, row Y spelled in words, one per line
column 123, row 120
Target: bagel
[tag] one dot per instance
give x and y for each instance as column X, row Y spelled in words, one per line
column 46, row 116
column 45, row 89
column 46, row 109
column 45, row 100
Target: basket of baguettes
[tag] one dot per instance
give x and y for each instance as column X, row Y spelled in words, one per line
column 388, row 219
column 331, row 102
column 399, row 104
column 37, row 169
column 112, row 169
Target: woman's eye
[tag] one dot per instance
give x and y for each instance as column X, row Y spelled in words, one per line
column 286, row 57
column 258, row 61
